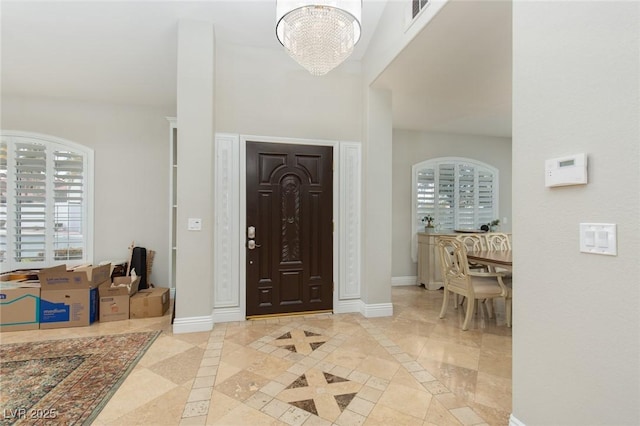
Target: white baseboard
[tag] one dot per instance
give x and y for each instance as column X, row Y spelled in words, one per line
column 192, row 324
column 377, row 310
column 347, row 306
column 368, row 311
column 228, row 314
column 514, row 422
column 205, row 323
column 407, row 280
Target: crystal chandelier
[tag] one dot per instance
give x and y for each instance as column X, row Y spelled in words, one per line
column 318, row 34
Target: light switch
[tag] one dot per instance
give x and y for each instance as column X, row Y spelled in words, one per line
column 603, row 239
column 590, row 238
column 598, row 238
column 194, row 224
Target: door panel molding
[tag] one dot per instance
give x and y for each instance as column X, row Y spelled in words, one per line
column 226, row 266
column 350, row 219
column 230, row 223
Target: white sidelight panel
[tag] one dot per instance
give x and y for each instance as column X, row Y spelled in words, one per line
column 226, row 291
column 350, row 205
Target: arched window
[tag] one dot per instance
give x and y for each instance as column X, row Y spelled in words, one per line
column 46, row 201
column 459, row 193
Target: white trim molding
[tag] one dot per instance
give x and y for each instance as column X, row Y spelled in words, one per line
column 229, row 292
column 406, row 280
column 515, row 422
column 228, row 314
column 349, row 221
column 368, row 311
column 226, row 257
column 377, row 310
column 192, row 324
column 171, row 273
column 347, row 306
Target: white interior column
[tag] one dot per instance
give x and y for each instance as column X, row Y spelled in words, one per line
column 376, row 212
column 195, row 111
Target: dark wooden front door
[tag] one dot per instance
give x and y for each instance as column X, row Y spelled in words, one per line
column 290, row 206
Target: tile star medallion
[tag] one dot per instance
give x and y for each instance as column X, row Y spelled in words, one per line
column 301, row 341
column 323, row 394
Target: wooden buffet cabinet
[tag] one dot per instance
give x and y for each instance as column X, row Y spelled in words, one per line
column 429, row 261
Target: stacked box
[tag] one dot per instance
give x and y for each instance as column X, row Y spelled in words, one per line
column 19, row 305
column 150, row 302
column 114, row 298
column 70, row 298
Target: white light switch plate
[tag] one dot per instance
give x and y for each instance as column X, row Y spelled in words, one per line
column 599, row 238
column 194, row 224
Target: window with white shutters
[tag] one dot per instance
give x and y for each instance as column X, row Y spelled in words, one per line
column 459, row 193
column 417, row 6
column 3, row 202
column 45, row 194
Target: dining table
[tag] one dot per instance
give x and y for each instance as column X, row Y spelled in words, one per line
column 499, row 259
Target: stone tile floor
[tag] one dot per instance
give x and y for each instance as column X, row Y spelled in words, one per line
column 409, row 369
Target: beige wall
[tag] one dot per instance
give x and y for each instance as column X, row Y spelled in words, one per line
column 194, row 187
column 576, row 316
column 411, row 147
column 257, row 91
column 266, row 93
column 392, row 33
column 131, row 145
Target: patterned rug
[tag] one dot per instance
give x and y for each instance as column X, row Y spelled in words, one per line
column 65, row 381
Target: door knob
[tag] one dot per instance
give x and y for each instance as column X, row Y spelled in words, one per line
column 251, row 245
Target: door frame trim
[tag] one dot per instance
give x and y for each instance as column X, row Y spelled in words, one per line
column 229, row 284
column 243, row 206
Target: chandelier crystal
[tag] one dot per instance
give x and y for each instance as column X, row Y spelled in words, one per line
column 318, row 34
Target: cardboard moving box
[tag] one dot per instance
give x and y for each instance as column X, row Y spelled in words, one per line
column 114, row 298
column 19, row 305
column 70, row 298
column 150, row 302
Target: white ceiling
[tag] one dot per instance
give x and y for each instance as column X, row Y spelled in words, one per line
column 455, row 76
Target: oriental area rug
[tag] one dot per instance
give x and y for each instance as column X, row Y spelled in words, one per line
column 65, row 381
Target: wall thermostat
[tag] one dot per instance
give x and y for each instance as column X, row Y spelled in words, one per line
column 563, row 171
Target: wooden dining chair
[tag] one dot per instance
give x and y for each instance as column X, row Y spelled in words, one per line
column 498, row 241
column 474, row 242
column 459, row 280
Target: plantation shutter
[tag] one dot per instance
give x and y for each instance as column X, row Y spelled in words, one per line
column 459, row 193
column 445, row 213
column 466, row 212
column 68, row 216
column 486, row 191
column 30, row 207
column 44, row 202
column 426, row 194
column 3, row 204
column 417, row 6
